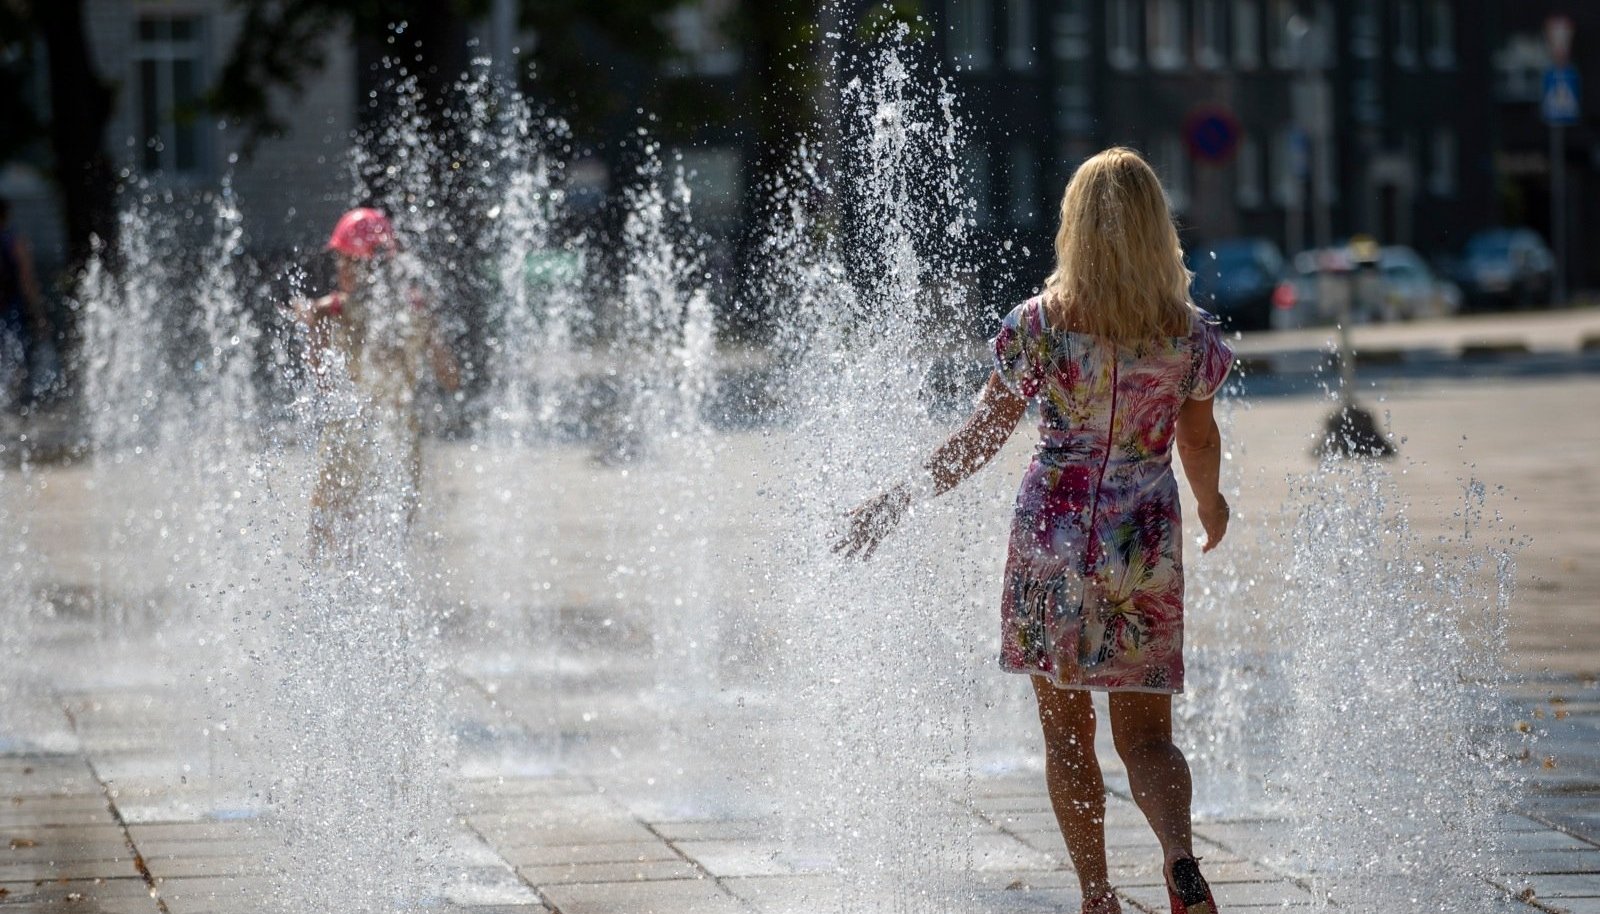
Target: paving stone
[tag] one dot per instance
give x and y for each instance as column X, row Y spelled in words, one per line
column 1554, row 862
column 683, row 896
column 729, row 859
column 497, row 885
column 604, row 831
column 1568, row 885
column 775, row 894
column 1229, row 896
column 188, row 867
column 1004, row 852
column 215, row 895
column 562, row 854
column 1577, row 905
column 718, row 829
column 60, row 891
column 1545, row 840
column 608, row 872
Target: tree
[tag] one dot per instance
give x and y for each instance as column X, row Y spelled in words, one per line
column 80, row 108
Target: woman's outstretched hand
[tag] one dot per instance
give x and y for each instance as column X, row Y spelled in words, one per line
column 871, row 521
column 1214, row 519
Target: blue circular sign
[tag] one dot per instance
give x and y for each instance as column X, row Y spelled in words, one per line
column 1212, row 135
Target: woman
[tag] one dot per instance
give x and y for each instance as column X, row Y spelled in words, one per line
column 1121, row 364
column 368, row 342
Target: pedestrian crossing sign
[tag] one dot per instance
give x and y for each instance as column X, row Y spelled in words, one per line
column 1560, row 104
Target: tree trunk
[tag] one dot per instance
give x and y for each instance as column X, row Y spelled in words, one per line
column 80, row 104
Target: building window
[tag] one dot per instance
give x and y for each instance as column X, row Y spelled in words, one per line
column 1279, row 37
column 1072, row 31
column 1327, row 166
column 1442, row 34
column 1405, row 33
column 1364, row 30
column 1210, row 36
column 1019, row 34
column 171, row 61
column 1022, row 198
column 1246, row 34
column 1288, row 166
column 1122, row 34
column 1442, row 173
column 970, row 38
column 1164, row 31
column 1172, row 166
column 702, row 43
column 1247, row 173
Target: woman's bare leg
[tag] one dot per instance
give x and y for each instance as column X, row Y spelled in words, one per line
column 1072, row 773
column 1158, row 774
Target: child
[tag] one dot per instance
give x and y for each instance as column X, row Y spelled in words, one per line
column 367, row 345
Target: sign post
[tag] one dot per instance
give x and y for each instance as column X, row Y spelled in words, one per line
column 1561, row 108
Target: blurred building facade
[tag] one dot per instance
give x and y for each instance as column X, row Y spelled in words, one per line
column 1291, row 120
column 1415, row 121
column 162, row 57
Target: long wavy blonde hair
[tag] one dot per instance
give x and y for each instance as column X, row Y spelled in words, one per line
column 1119, row 268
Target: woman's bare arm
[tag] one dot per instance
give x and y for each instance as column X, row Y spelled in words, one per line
column 961, row 455
column 979, row 438
column 1200, row 449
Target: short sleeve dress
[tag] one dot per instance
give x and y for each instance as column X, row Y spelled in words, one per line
column 1093, row 594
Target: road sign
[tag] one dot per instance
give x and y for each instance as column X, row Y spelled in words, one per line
column 1558, row 37
column 1560, row 103
column 1212, row 135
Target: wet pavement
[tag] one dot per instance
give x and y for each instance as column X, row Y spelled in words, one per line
column 101, row 811
column 116, row 797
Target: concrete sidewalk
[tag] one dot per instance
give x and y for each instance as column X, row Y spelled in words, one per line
column 1565, row 332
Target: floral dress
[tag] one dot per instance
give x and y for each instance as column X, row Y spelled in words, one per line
column 1094, row 568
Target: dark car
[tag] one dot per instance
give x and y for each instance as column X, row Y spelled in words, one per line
column 1234, row 280
column 1506, row 267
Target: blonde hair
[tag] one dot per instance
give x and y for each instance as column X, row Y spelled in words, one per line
column 1119, row 267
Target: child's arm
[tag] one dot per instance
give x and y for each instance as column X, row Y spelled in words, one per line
column 961, row 455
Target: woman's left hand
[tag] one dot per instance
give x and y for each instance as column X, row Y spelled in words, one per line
column 871, row 521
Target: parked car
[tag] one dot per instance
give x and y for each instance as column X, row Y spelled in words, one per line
column 1234, row 279
column 1402, row 287
column 1507, row 268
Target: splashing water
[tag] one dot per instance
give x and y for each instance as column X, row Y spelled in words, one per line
column 855, row 705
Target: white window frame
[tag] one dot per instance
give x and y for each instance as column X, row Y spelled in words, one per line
column 1247, row 173
column 165, row 54
column 1165, row 34
column 971, row 33
column 1020, row 37
column 1210, row 34
column 1245, row 26
column 1442, row 34
column 1122, row 34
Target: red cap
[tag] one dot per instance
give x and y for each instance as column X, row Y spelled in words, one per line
column 362, row 233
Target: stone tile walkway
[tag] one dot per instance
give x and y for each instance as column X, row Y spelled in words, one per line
column 91, row 819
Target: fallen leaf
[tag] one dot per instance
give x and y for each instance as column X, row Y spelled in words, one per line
column 1524, row 727
column 19, row 843
column 1549, row 761
column 1563, row 714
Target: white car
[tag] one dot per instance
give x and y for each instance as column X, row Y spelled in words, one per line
column 1402, row 288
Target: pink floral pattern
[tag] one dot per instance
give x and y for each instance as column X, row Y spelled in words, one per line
column 1093, row 594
